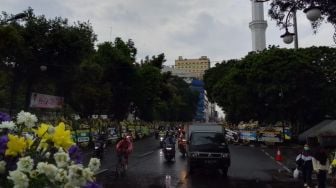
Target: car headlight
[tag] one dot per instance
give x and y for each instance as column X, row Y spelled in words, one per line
column 225, row 155
column 169, row 148
column 161, row 138
column 96, row 147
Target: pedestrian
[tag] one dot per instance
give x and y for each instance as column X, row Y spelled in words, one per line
column 305, row 164
column 333, row 169
column 321, row 166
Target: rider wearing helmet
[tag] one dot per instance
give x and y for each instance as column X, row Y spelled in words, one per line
column 170, row 139
column 124, row 147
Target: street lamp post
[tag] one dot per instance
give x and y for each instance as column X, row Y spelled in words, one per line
column 14, row 18
column 313, row 13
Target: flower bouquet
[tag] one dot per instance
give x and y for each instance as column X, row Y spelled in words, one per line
column 41, row 156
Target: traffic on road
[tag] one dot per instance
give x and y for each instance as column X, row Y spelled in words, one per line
column 197, row 156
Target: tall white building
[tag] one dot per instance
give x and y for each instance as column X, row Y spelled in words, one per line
column 258, row 26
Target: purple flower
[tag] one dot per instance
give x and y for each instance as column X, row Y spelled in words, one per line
column 4, row 117
column 3, row 144
column 75, row 154
column 92, row 185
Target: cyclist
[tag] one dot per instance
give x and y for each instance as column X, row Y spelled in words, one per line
column 124, row 147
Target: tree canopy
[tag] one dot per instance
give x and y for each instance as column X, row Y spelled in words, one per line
column 276, row 85
column 101, row 80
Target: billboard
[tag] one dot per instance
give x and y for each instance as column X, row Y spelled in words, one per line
column 38, row 100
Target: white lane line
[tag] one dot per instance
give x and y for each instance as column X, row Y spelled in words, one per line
column 278, row 162
column 168, row 181
column 145, row 154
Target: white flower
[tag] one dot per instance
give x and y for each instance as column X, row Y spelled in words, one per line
column 41, row 167
column 88, row 174
column 29, row 136
column 27, row 119
column 19, row 179
column 8, row 125
column 94, row 164
column 25, row 164
column 2, row 167
column 69, row 185
column 76, row 175
column 61, row 158
column 51, row 130
column 49, row 170
column 47, row 155
column 61, row 175
column 33, row 173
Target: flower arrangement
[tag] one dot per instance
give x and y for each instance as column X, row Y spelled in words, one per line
column 42, row 156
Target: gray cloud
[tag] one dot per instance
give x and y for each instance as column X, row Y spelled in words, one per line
column 191, row 28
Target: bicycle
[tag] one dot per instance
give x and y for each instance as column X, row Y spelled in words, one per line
column 121, row 166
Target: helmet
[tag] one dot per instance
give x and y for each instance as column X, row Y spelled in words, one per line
column 306, row 147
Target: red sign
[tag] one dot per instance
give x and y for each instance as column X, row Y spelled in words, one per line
column 38, row 100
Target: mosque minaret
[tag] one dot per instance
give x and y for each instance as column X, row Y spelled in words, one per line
column 258, row 26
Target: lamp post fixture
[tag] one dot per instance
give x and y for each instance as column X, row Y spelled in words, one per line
column 313, row 13
column 13, row 18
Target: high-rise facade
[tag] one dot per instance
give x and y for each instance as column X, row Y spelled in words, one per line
column 196, row 67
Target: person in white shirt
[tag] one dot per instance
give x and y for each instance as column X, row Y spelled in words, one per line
column 304, row 162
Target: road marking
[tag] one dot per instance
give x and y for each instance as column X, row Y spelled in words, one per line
column 278, row 162
column 145, row 154
column 168, row 181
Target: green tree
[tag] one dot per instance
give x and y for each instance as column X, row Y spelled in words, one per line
column 148, row 92
column 276, row 85
column 38, row 42
column 117, row 60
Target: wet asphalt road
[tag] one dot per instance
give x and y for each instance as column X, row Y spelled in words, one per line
column 250, row 167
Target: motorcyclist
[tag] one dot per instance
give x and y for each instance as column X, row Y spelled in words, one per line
column 123, row 148
column 170, row 139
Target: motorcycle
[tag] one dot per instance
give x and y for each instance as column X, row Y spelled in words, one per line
column 182, row 146
column 169, row 152
column 99, row 147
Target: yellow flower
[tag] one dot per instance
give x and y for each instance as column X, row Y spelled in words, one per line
column 16, row 145
column 43, row 145
column 42, row 131
column 61, row 137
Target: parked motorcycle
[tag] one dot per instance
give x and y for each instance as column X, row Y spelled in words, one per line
column 169, row 152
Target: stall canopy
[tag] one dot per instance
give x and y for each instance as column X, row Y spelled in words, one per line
column 326, row 127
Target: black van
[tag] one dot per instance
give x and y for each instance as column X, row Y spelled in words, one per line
column 208, row 149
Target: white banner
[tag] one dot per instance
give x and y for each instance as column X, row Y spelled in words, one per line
column 38, row 100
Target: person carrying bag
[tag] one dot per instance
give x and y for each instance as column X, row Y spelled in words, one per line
column 305, row 165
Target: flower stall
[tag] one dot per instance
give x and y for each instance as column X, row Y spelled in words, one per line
column 37, row 155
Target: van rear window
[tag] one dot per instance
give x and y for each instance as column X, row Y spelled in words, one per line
column 199, row 138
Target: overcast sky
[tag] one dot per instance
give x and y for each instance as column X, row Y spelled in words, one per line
column 190, row 28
